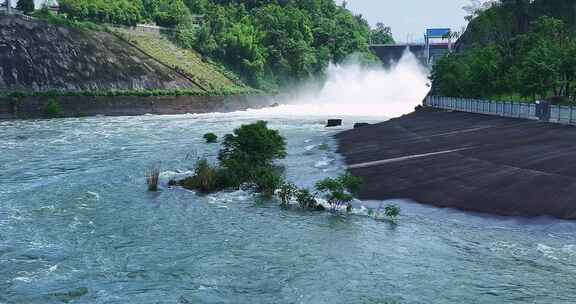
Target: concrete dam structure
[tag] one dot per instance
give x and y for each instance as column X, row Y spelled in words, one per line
column 437, row 43
column 390, row 53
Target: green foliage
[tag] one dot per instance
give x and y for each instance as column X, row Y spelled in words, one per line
column 286, row 192
column 210, row 138
column 381, row 34
column 350, row 182
column 27, row 6
column 392, row 211
column 338, row 190
column 127, row 12
column 267, row 180
column 307, row 200
column 206, row 178
column 170, row 13
column 266, row 42
column 246, row 157
column 58, row 20
column 270, row 42
column 254, row 145
column 513, row 48
column 53, row 109
column 142, row 93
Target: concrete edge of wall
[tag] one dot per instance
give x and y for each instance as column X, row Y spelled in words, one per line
column 78, row 106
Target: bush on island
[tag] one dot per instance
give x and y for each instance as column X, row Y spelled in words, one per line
column 307, row 201
column 267, row 180
column 246, row 157
column 392, row 211
column 253, row 144
column 210, row 138
column 338, row 191
column 286, row 192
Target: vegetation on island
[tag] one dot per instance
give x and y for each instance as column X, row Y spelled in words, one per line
column 523, row 50
column 267, row 42
column 210, row 138
column 152, row 175
column 247, row 160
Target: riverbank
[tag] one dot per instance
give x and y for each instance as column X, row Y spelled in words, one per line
column 467, row 161
column 73, row 106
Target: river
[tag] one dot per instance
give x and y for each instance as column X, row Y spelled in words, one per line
column 78, row 226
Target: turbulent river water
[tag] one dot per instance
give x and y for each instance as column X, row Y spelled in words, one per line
column 78, row 226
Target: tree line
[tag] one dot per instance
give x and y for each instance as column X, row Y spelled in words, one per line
column 515, row 49
column 268, row 42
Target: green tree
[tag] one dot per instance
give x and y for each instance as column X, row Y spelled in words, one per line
column 546, row 63
column 253, row 145
column 381, row 34
column 27, row 6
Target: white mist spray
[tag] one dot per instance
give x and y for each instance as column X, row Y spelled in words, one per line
column 354, row 90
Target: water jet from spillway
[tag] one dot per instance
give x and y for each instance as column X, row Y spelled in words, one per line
column 354, row 90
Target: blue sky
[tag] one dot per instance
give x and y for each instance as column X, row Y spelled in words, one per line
column 410, row 18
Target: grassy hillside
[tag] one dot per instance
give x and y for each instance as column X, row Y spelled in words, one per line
column 206, row 74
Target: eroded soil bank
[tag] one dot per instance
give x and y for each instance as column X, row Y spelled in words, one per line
column 467, row 161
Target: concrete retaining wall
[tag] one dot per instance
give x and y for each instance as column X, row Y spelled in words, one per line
column 35, row 107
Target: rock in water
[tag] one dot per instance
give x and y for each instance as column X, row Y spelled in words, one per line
column 333, row 123
column 360, row 125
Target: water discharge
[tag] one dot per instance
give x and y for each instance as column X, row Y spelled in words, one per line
column 352, row 89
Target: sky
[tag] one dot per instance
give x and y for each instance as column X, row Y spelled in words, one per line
column 409, row 19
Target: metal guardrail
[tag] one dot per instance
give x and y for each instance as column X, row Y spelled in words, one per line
column 558, row 114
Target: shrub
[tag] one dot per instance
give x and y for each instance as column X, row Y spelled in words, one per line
column 210, row 138
column 253, row 144
column 337, row 190
column 392, row 211
column 246, row 157
column 153, row 177
column 267, row 180
column 286, row 193
column 205, row 178
column 306, row 200
column 350, row 182
column 53, row 109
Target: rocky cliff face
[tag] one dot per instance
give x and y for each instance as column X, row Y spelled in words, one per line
column 35, row 55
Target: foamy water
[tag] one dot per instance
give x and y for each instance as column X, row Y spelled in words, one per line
column 355, row 90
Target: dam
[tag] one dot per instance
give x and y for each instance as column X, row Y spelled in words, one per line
column 436, row 43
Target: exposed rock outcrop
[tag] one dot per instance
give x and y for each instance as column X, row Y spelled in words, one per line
column 36, row 55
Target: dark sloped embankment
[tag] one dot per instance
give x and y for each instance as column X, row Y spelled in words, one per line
column 38, row 56
column 467, row 161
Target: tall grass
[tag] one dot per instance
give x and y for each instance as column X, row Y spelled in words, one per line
column 152, row 175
